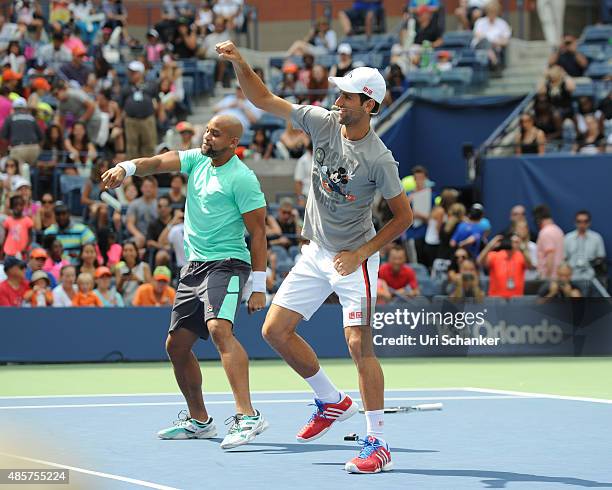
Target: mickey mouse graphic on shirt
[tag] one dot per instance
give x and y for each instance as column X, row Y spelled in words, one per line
column 334, row 180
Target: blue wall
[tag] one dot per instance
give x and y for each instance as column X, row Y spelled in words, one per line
column 138, row 334
column 565, row 183
column 432, row 133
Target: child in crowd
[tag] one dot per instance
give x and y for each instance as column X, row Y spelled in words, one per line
column 108, row 296
column 17, row 229
column 86, row 296
column 39, row 294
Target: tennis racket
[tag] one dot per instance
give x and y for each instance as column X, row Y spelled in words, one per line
column 424, row 407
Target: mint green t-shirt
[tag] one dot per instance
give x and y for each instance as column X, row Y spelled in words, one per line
column 217, row 197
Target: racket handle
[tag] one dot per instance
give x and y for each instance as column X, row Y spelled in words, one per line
column 427, row 407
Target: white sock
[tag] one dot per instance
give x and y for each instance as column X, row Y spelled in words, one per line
column 376, row 424
column 323, row 387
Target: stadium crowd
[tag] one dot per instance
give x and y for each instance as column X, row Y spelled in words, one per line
column 66, row 108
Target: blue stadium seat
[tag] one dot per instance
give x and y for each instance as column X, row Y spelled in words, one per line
column 276, row 135
column 600, row 34
column 273, row 208
column 524, row 300
column 327, row 60
column 281, row 252
column 420, row 270
column 70, row 187
column 597, row 70
column 246, row 138
column 457, row 39
column 283, row 267
column 293, row 251
column 458, row 78
column 429, row 287
column 593, row 52
column 375, row 60
column 584, row 90
column 269, row 122
column 421, row 78
column 440, row 92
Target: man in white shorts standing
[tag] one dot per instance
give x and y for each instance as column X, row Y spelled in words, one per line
column 350, row 163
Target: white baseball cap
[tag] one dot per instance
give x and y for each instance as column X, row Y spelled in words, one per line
column 19, row 182
column 20, row 103
column 344, row 48
column 362, row 80
column 136, row 66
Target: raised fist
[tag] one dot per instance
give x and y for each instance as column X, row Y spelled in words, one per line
column 228, row 51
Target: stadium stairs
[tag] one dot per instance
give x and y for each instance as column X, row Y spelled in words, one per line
column 526, row 62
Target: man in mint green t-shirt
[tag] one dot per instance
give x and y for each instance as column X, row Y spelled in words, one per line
column 224, row 199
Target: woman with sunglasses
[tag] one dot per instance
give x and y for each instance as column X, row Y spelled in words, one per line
column 45, row 215
column 459, row 256
column 530, row 138
column 7, row 175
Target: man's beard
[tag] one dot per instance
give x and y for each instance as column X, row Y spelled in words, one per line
column 211, row 153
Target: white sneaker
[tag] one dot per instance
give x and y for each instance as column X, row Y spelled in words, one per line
column 188, row 428
column 243, row 429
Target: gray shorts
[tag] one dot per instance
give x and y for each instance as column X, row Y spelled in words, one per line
column 208, row 290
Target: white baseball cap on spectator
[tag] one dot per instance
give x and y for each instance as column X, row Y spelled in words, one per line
column 19, row 182
column 362, row 80
column 136, row 66
column 344, row 48
column 20, row 103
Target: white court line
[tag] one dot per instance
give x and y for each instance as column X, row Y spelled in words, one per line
column 178, row 393
column 110, row 476
column 260, row 402
column 541, row 395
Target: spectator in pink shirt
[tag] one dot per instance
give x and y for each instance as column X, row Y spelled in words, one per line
column 154, row 48
column 6, row 106
column 549, row 244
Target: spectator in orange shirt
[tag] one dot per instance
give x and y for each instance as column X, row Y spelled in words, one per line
column 86, row 296
column 507, row 265
column 18, row 229
column 40, row 294
column 158, row 293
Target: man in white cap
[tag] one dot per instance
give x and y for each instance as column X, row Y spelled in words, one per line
column 140, row 100
column 24, row 136
column 350, row 164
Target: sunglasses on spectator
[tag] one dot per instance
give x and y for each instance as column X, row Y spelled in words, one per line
column 47, row 201
column 461, row 256
column 10, row 165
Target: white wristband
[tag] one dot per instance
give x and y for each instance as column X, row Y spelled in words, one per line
column 259, row 281
column 129, row 166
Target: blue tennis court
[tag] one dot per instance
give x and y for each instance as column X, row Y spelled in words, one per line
column 482, row 439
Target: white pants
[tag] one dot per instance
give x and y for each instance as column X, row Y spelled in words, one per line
column 313, row 278
column 551, row 14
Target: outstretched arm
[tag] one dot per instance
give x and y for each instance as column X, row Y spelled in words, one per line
column 165, row 163
column 251, row 84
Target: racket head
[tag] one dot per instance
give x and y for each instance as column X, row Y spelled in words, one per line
column 424, row 407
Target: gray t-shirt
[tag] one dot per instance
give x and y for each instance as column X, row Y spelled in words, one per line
column 143, row 212
column 75, row 104
column 345, row 177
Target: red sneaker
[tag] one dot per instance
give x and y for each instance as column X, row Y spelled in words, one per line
column 324, row 416
column 373, row 458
